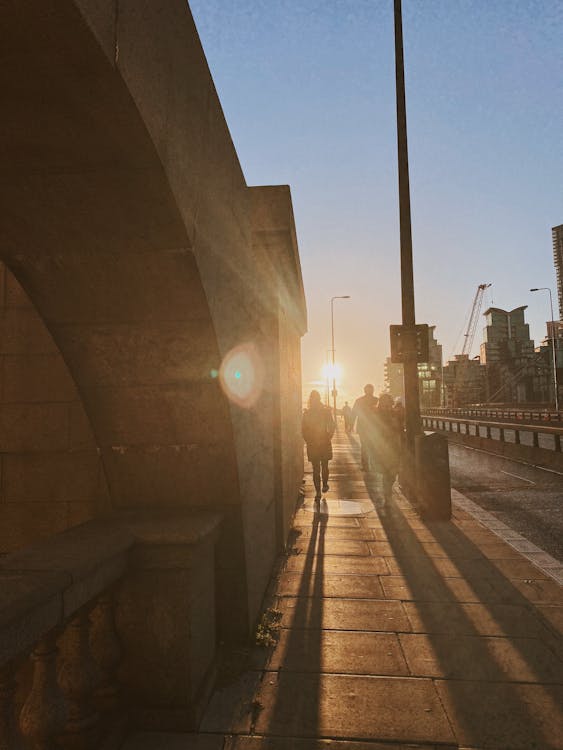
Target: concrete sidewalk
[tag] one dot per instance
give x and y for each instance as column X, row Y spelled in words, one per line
column 394, row 633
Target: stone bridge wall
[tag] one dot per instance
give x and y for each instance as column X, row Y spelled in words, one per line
column 129, row 224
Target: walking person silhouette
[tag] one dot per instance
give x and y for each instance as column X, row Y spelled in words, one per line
column 317, row 428
column 363, row 414
column 387, row 443
column 347, row 413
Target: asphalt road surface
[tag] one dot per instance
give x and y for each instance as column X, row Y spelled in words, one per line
column 526, row 498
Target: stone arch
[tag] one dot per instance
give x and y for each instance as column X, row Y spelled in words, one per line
column 92, row 232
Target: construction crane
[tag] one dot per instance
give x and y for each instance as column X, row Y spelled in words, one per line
column 473, row 318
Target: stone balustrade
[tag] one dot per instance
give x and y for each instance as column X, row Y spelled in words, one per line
column 77, row 621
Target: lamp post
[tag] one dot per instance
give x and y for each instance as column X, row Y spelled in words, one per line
column 328, row 358
column 342, row 296
column 410, row 366
column 555, row 383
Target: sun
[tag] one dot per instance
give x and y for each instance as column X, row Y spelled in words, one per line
column 332, row 372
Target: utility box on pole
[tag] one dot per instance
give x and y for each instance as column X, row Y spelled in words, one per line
column 433, row 477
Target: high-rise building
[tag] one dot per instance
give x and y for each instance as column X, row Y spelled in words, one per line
column 508, row 352
column 429, row 374
column 557, row 235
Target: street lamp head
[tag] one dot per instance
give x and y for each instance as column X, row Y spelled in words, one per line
column 535, row 289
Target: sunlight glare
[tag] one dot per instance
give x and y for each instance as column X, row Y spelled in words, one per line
column 330, row 371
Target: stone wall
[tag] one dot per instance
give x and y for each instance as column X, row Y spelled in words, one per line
column 128, row 220
column 51, row 473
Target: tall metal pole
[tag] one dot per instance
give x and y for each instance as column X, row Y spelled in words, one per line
column 554, row 355
column 333, row 369
column 410, row 367
column 342, row 296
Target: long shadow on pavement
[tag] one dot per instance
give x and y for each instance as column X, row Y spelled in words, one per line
column 304, row 636
column 486, row 708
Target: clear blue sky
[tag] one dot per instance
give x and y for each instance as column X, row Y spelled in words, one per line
column 308, row 90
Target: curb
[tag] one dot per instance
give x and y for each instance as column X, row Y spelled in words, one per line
column 542, row 560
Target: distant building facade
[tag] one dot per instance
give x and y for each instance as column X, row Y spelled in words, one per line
column 544, row 362
column 429, row 375
column 510, row 369
column 464, row 381
column 557, row 236
column 508, row 353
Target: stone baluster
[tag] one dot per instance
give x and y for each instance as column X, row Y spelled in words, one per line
column 7, row 690
column 106, row 650
column 43, row 714
column 78, row 676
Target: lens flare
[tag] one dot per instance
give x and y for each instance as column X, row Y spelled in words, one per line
column 242, row 375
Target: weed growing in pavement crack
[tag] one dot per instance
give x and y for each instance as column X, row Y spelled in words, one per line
column 268, row 630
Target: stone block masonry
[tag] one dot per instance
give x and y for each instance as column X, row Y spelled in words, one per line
column 51, row 473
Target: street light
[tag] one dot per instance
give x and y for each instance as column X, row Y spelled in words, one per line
column 410, row 364
column 342, row 296
column 555, row 384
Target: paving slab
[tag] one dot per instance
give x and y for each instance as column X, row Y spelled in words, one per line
column 383, row 549
column 481, row 658
column 331, row 585
column 323, row 546
column 340, row 564
column 500, row 715
column 303, row 521
column 338, row 706
column 474, row 619
column 344, row 614
column 540, row 591
column 511, row 570
column 342, row 652
column 442, row 566
column 298, row 743
column 439, row 589
column 554, row 615
column 341, row 532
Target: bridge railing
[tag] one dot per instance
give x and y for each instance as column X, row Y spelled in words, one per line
column 515, row 415
column 58, row 645
column 534, row 436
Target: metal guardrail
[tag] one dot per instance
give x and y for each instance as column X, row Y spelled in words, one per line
column 530, row 416
column 439, row 422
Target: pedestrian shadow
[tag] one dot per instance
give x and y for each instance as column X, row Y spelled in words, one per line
column 294, row 711
column 489, row 707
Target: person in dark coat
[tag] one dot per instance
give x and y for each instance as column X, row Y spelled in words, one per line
column 347, row 413
column 388, row 428
column 317, row 428
column 363, row 414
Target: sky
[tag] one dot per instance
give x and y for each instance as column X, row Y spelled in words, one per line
column 308, row 91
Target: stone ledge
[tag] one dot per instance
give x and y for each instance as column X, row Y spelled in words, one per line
column 43, row 585
column 30, row 605
column 169, row 526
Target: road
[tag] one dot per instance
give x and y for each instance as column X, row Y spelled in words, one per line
column 526, row 498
